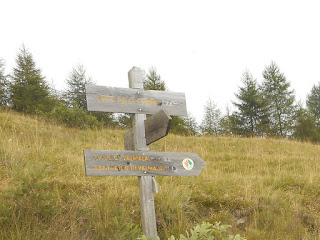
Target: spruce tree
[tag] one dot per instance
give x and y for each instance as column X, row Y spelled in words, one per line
column 153, row 81
column 251, row 107
column 211, row 121
column 313, row 103
column 4, row 86
column 280, row 99
column 29, row 91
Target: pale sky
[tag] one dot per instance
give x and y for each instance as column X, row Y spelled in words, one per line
column 198, row 47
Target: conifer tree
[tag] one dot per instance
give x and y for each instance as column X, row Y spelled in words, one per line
column 29, row 91
column 153, row 81
column 76, row 93
column 280, row 99
column 305, row 128
column 211, row 121
column 179, row 125
column 235, row 125
column 226, row 123
column 192, row 124
column 251, row 107
column 313, row 103
column 4, row 86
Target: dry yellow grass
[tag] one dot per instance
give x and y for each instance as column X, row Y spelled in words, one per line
column 264, row 188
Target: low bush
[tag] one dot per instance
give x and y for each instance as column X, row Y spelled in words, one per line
column 206, row 231
column 73, row 117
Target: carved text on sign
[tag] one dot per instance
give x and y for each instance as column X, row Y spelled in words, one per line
column 111, row 99
column 141, row 163
column 128, row 168
column 123, row 100
column 119, row 157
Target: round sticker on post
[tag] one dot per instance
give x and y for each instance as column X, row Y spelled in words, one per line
column 187, row 164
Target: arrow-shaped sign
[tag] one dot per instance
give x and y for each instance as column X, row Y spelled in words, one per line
column 128, row 100
column 138, row 163
column 156, row 127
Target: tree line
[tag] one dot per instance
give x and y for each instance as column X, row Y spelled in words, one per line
column 265, row 109
column 25, row 90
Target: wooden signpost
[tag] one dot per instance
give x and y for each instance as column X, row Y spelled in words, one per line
column 136, row 160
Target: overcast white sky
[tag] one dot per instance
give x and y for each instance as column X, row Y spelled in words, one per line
column 199, row 47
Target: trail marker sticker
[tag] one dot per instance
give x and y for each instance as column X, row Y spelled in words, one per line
column 188, row 164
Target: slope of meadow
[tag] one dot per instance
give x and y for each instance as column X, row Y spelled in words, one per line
column 264, row 188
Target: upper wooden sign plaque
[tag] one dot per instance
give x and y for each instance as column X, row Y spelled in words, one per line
column 128, row 100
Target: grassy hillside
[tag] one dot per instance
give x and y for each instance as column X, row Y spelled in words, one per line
column 265, row 189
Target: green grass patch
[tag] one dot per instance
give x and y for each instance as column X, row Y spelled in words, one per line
column 263, row 188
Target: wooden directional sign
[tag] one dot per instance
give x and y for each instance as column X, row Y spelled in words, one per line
column 139, row 163
column 129, row 100
column 156, row 127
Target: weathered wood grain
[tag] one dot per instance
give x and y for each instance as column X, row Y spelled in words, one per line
column 128, row 139
column 148, row 212
column 139, row 134
column 140, row 163
column 127, row 100
column 157, row 126
column 135, row 76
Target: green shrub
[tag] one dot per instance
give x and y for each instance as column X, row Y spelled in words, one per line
column 73, row 117
column 206, row 231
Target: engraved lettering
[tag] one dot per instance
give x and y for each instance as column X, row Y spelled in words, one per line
column 147, row 101
column 105, row 99
column 126, row 100
column 132, row 168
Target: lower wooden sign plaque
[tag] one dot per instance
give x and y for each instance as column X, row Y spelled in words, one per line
column 139, row 163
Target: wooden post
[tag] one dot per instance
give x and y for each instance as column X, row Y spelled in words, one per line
column 148, row 214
